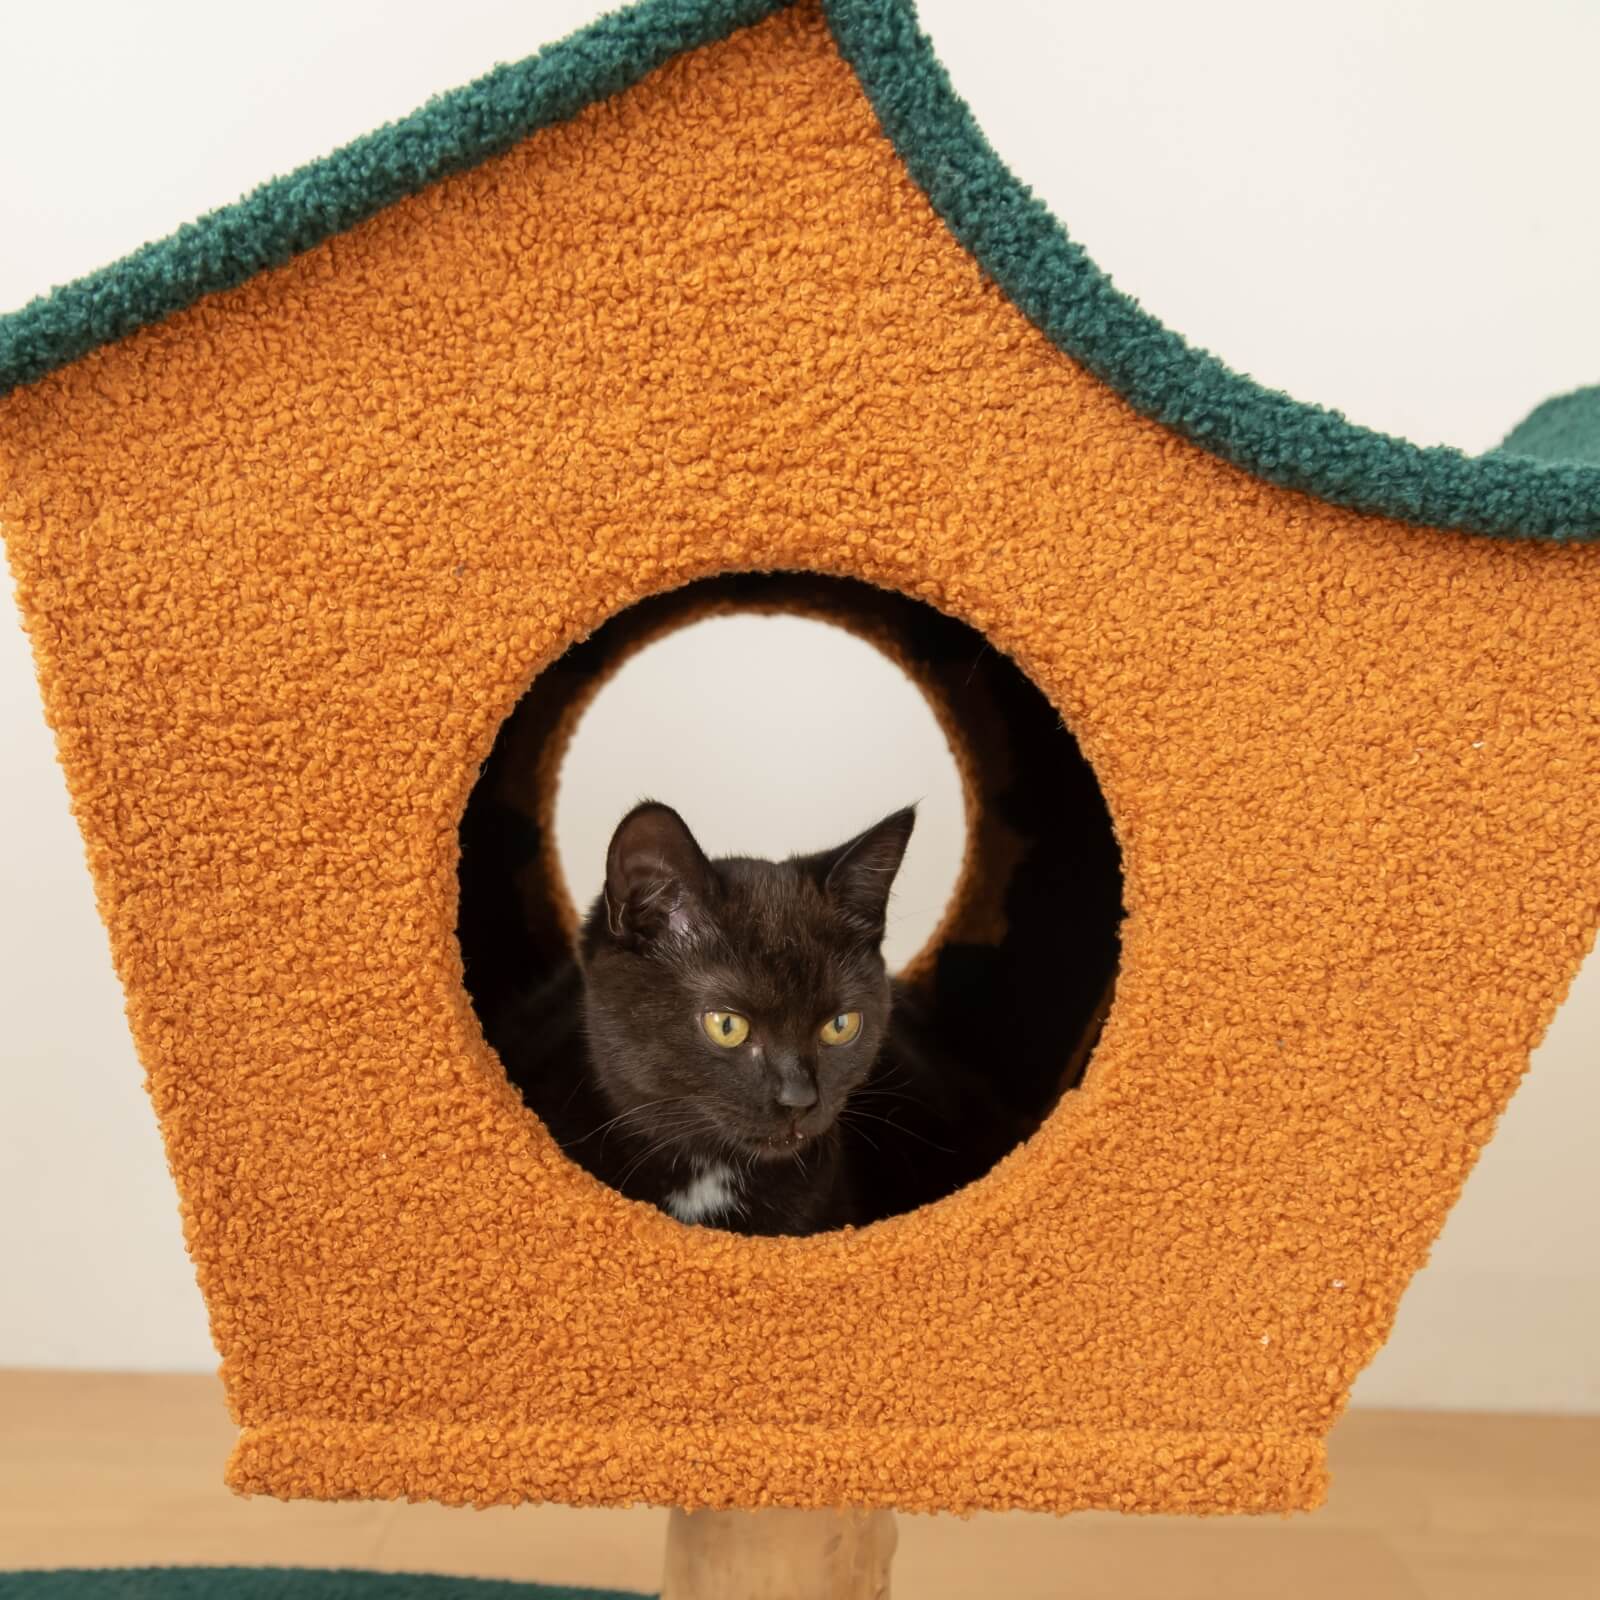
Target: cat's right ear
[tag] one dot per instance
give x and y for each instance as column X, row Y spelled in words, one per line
column 658, row 881
column 858, row 876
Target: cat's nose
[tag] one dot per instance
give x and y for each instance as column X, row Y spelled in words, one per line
column 797, row 1091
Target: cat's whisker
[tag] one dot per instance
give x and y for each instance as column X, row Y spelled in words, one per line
column 910, row 1132
column 671, row 1101
column 885, row 1073
column 650, row 1150
column 622, row 1116
column 884, row 1094
column 670, row 1134
column 844, row 1116
column 740, row 1153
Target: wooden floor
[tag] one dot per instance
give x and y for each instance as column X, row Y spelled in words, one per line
column 106, row 1469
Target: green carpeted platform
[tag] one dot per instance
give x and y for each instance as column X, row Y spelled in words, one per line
column 275, row 1583
column 1566, row 428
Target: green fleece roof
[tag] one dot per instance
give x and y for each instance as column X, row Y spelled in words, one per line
column 1542, row 483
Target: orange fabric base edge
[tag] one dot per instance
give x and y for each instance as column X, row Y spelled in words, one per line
column 959, row 1468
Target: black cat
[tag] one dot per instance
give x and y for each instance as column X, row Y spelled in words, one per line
column 730, row 1046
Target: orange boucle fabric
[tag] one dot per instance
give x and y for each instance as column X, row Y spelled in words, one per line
column 289, row 557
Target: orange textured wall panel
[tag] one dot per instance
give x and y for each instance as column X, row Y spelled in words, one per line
column 288, row 558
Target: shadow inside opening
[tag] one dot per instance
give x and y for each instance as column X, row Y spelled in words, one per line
column 1012, row 994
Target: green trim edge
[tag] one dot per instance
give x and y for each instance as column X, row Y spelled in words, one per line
column 1011, row 234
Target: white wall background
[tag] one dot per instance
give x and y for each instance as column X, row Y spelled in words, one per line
column 1380, row 205
column 761, row 759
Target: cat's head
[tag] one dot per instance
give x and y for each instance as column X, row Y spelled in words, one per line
column 744, row 999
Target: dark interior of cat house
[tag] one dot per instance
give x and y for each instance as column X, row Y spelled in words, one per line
column 1018, row 977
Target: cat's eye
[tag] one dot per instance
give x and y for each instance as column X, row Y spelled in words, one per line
column 842, row 1028
column 726, row 1028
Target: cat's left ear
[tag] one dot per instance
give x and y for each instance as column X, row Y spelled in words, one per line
column 858, row 875
column 658, row 880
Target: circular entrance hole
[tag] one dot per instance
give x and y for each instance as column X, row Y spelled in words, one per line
column 782, row 714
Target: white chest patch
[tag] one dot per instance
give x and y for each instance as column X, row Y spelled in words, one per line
column 713, row 1193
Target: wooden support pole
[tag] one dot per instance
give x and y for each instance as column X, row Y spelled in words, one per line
column 778, row 1555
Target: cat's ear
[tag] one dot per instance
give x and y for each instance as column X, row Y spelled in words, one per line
column 858, row 876
column 658, row 880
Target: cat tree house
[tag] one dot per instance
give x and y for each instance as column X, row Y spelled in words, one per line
column 301, row 500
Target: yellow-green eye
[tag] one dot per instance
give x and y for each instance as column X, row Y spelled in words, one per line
column 842, row 1028
column 726, row 1028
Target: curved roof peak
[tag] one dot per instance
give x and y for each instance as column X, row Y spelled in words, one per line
column 1542, row 483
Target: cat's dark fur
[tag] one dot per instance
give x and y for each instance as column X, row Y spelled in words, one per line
column 782, row 1133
